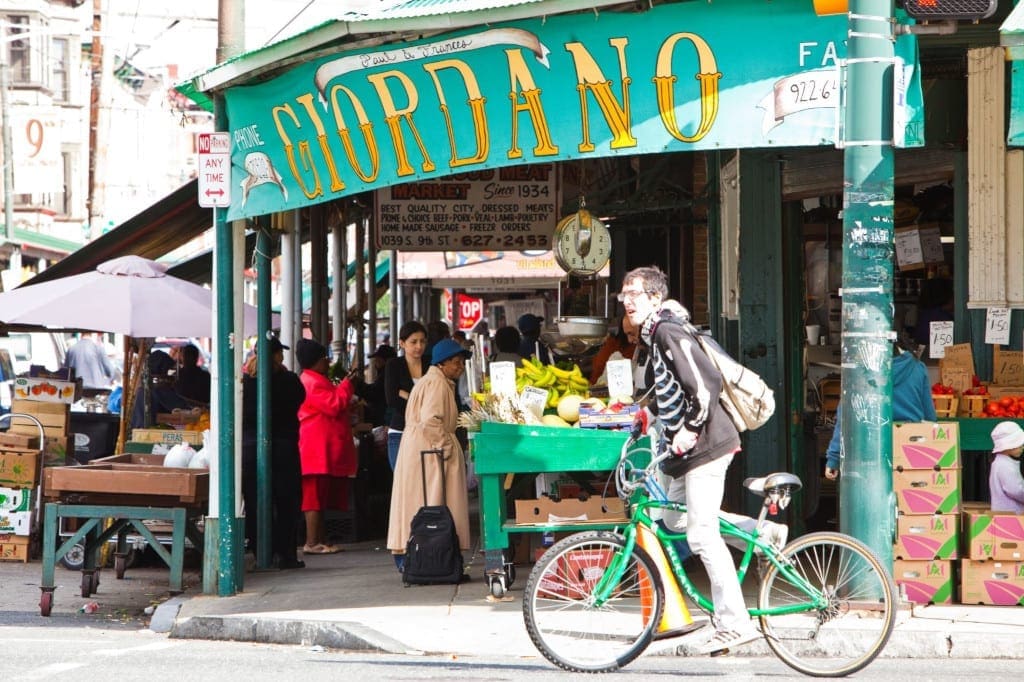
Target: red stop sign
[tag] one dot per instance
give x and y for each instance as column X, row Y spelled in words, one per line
column 471, row 311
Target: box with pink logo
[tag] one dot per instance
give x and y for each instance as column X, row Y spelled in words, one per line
column 927, row 537
column 1000, row 583
column 993, row 535
column 926, row 445
column 927, row 491
column 925, row 582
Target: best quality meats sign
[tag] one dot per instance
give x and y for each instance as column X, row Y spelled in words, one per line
column 680, row 77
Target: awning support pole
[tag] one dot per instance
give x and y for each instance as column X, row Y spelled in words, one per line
column 867, row 506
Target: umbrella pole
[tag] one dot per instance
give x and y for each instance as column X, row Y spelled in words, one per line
column 133, row 362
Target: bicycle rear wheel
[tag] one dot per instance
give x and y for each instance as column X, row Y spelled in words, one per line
column 562, row 619
column 855, row 624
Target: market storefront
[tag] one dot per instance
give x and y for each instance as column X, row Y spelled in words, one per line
column 383, row 112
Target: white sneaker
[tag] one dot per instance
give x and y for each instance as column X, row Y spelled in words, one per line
column 723, row 640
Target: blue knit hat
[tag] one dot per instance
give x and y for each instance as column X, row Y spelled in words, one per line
column 447, row 348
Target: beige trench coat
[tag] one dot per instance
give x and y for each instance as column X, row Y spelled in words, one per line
column 430, row 421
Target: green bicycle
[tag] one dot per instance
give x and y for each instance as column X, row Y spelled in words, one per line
column 592, row 603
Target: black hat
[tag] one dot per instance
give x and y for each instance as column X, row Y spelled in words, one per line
column 309, row 352
column 529, row 323
column 275, row 345
column 384, row 351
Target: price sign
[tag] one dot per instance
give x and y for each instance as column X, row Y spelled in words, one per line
column 503, row 378
column 1007, row 367
column 534, row 399
column 940, row 335
column 997, row 326
column 620, row 378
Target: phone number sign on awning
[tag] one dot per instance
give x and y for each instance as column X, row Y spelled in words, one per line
column 501, row 209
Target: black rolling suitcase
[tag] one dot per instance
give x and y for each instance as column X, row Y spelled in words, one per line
column 432, row 555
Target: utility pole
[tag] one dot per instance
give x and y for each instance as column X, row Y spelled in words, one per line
column 867, row 505
column 97, row 124
column 14, row 262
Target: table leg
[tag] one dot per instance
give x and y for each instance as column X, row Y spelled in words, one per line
column 177, row 565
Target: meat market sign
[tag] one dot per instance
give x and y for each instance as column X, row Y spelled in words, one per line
column 504, row 209
column 678, row 77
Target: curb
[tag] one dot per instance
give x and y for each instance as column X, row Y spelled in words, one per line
column 344, row 636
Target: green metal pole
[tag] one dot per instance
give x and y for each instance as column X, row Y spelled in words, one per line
column 867, row 505
column 227, row 542
column 264, row 506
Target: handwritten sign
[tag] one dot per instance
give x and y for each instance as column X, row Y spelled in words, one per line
column 918, row 246
column 997, row 326
column 620, row 378
column 503, row 378
column 958, row 355
column 534, row 399
column 1008, row 367
column 940, row 335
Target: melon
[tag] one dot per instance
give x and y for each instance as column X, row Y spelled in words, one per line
column 569, row 407
column 554, row 420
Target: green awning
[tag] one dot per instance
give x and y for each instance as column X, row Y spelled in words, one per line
column 1011, row 37
column 155, row 231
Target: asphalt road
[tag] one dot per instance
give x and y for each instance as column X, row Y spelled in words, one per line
column 85, row 655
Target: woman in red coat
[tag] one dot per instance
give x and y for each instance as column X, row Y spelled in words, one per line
column 326, row 449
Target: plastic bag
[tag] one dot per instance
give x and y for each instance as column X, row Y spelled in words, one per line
column 201, row 460
column 179, row 456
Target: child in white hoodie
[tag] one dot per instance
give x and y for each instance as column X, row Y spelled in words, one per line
column 1005, row 483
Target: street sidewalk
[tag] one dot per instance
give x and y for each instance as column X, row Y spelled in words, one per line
column 355, row 600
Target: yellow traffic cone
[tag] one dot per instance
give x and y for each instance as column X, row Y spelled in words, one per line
column 675, row 619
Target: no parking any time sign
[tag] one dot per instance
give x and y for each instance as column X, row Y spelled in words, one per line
column 214, row 170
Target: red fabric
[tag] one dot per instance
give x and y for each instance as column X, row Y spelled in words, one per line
column 325, row 429
column 324, row 492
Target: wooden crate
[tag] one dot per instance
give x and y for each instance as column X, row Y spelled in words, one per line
column 945, row 405
column 170, row 485
column 132, row 458
column 14, row 548
column 169, row 436
column 972, row 405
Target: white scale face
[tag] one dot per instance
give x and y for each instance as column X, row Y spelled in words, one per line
column 582, row 244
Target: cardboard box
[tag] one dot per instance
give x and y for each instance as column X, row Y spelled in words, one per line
column 55, row 418
column 47, row 390
column 16, row 523
column 993, row 535
column 1000, row 583
column 596, row 419
column 61, row 373
column 925, row 445
column 927, row 491
column 18, row 441
column 15, row 500
column 927, row 537
column 1001, row 391
column 924, row 582
column 14, row 548
column 178, row 417
column 18, row 469
column 1007, row 367
column 546, row 511
column 169, row 436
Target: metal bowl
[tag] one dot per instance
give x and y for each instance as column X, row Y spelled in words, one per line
column 585, row 327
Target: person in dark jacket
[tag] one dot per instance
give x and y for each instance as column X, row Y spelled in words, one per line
column 700, row 435
column 286, row 395
column 192, row 381
column 400, row 375
column 373, row 392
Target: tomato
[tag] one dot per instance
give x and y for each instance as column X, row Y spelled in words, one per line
column 1006, row 402
column 991, row 408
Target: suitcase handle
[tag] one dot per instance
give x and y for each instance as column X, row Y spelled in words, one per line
column 423, row 472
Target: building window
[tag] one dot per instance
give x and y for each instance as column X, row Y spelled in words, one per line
column 61, row 89
column 18, row 49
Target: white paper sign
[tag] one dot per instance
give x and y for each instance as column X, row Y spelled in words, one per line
column 620, row 378
column 997, row 326
column 940, row 335
column 503, row 378
column 534, row 399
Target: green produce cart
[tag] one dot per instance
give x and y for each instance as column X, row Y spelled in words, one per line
column 502, row 449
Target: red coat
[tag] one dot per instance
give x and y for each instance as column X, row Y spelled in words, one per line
column 325, row 429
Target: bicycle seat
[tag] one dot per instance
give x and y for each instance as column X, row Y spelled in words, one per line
column 763, row 485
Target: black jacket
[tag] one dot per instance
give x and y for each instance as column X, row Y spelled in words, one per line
column 687, row 386
column 397, row 378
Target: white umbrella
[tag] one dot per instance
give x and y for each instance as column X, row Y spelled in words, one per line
column 130, row 295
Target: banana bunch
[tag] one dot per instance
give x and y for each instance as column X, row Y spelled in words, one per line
column 557, row 380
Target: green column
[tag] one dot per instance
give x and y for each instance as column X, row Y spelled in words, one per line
column 867, row 505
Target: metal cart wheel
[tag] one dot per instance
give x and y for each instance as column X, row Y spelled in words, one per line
column 46, row 601
column 86, row 584
column 95, row 582
column 120, row 562
column 74, row 559
column 497, row 585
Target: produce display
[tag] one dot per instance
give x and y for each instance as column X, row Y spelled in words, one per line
column 558, row 379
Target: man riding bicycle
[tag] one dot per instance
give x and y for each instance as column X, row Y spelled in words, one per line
column 702, row 438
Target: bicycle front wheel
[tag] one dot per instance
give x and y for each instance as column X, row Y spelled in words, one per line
column 853, row 625
column 560, row 609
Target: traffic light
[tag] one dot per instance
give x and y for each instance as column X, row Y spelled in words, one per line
column 956, row 10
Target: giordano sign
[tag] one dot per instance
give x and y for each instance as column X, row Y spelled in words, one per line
column 681, row 77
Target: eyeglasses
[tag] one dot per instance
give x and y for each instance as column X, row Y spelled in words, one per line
column 624, row 296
